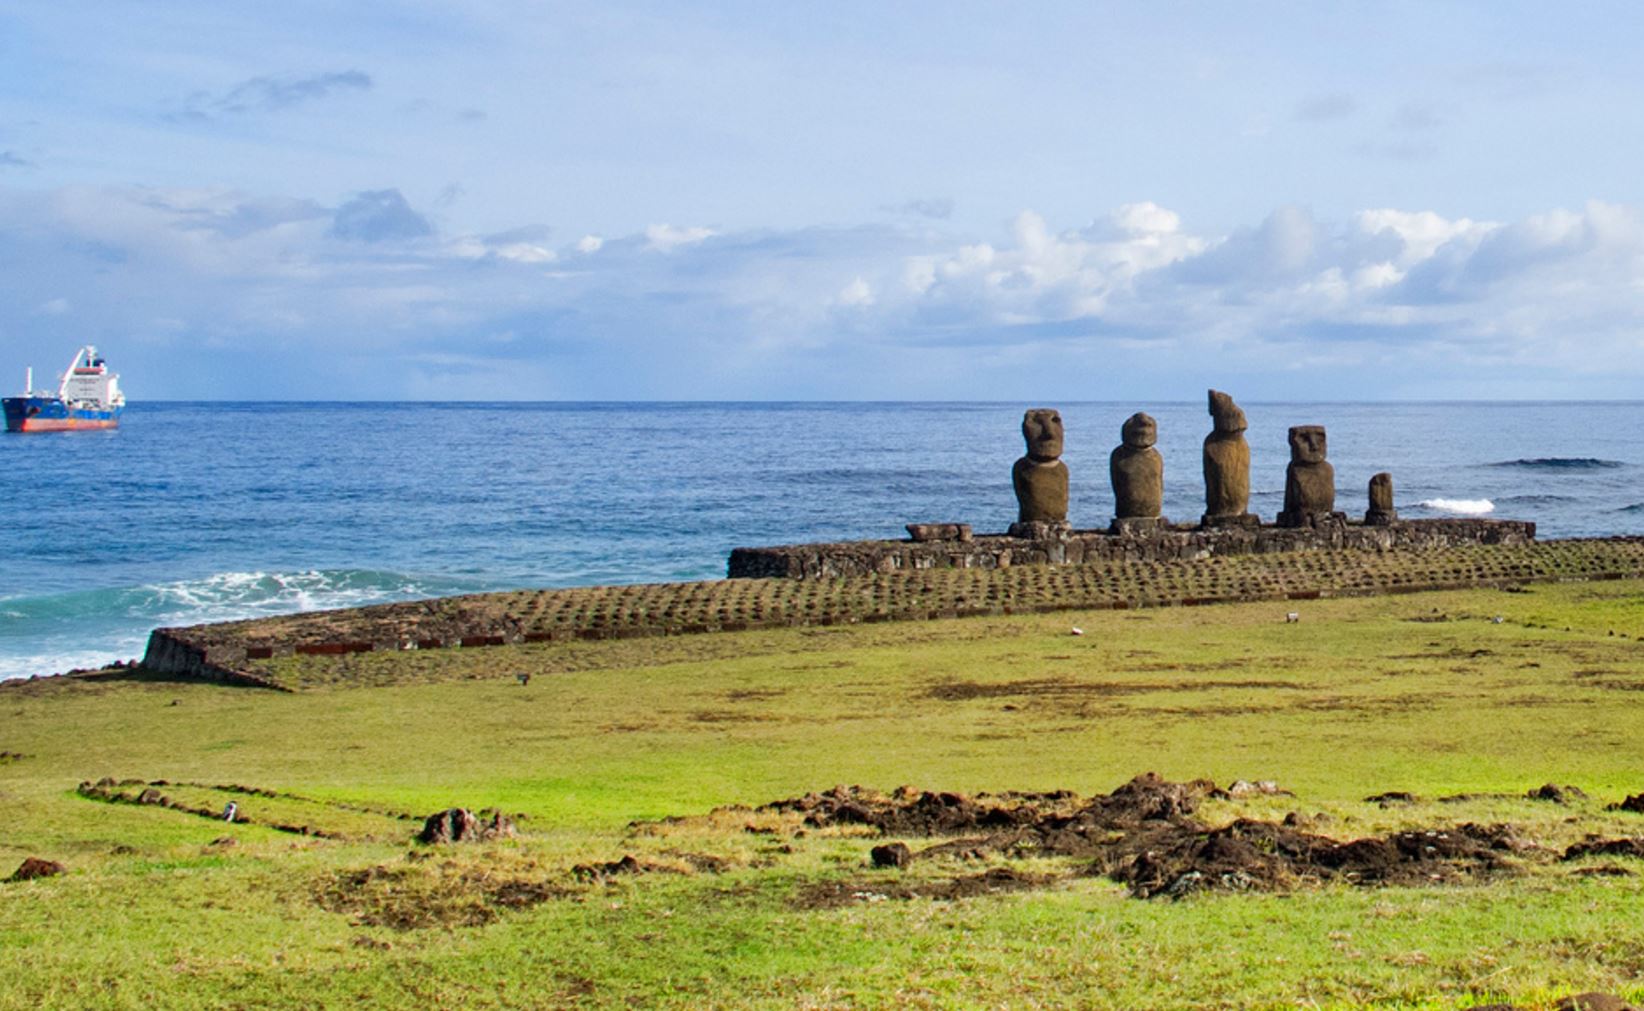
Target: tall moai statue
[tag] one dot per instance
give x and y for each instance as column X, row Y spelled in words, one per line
column 1137, row 472
column 1227, row 467
column 1381, row 512
column 1309, row 481
column 1040, row 477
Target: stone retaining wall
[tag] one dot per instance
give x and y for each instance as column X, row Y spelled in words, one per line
column 292, row 650
column 1085, row 547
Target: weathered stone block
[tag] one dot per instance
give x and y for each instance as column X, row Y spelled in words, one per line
column 925, row 532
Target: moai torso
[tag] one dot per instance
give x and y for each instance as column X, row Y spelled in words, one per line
column 1137, row 471
column 1381, row 511
column 1040, row 477
column 1226, row 461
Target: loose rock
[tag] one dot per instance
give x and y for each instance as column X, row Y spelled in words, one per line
column 458, row 824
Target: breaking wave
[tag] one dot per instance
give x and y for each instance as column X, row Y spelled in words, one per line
column 1561, row 463
column 1459, row 506
column 88, row 628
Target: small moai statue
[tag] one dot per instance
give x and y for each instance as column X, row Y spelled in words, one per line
column 1309, row 481
column 1137, row 472
column 1040, row 477
column 1227, row 467
column 1381, row 512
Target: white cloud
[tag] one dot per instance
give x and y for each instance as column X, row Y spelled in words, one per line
column 1135, row 291
column 667, row 238
column 856, row 294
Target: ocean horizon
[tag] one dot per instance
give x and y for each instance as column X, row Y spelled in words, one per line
column 199, row 511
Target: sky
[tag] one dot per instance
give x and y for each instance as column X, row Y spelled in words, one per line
column 764, row 201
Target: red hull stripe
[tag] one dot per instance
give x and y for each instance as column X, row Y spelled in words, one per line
column 63, row 424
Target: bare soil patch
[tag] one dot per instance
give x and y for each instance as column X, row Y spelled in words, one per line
column 1147, row 836
column 411, row 898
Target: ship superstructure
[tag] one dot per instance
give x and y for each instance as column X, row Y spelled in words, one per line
column 87, row 396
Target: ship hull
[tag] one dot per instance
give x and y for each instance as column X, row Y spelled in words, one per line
column 45, row 414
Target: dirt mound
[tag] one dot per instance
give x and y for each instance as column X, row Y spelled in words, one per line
column 1146, row 835
column 412, row 898
column 1634, row 803
column 1262, row 856
column 919, row 813
column 1625, row 847
column 35, row 867
column 1557, row 794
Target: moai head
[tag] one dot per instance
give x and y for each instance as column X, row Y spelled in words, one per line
column 1139, row 431
column 1042, row 428
column 1307, row 444
column 1227, row 416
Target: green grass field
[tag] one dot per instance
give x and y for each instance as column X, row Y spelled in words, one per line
column 1424, row 693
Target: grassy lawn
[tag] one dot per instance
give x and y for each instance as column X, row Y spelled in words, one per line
column 1423, row 693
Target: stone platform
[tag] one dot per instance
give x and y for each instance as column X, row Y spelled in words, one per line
column 1085, row 547
column 339, row 647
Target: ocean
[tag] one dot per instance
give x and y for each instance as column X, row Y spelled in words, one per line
column 195, row 512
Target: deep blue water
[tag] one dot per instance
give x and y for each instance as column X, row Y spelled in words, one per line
column 195, row 512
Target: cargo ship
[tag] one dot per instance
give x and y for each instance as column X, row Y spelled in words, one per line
column 88, row 396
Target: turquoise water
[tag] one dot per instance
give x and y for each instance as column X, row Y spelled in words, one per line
column 200, row 512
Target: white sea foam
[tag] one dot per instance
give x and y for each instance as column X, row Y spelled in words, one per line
column 89, row 628
column 1460, row 506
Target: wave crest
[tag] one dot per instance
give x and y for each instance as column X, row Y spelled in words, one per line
column 1459, row 506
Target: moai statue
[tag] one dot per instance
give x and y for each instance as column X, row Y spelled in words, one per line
column 1381, row 512
column 1309, row 481
column 1040, row 477
column 1137, row 471
column 1227, row 467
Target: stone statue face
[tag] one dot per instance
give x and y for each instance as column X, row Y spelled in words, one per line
column 1307, row 444
column 1140, row 431
column 1042, row 428
column 1228, row 417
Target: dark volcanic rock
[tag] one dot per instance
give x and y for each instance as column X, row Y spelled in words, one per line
column 461, row 825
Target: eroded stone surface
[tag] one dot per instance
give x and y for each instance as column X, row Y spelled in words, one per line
column 1040, row 478
column 1309, row 480
column 1137, row 471
column 1381, row 511
column 925, row 532
column 1226, row 466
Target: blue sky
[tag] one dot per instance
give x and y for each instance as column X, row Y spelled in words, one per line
column 846, row 200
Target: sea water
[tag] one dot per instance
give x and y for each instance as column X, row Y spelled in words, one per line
column 194, row 512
